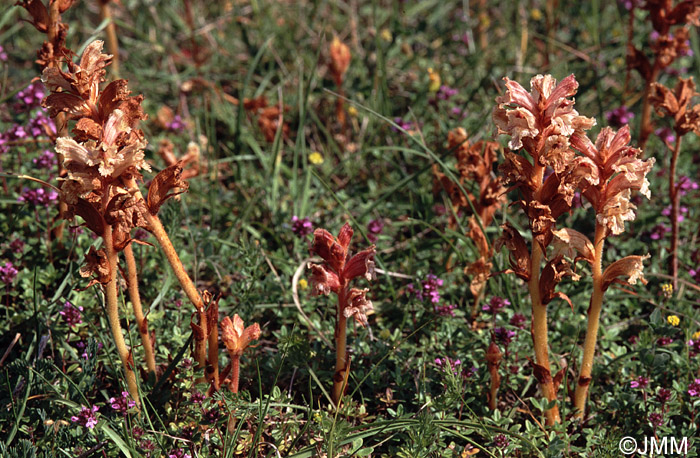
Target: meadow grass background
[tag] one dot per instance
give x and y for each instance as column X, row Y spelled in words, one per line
column 233, row 230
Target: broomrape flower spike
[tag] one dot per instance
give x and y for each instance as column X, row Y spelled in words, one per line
column 540, row 122
column 237, row 338
column 615, row 170
column 335, row 275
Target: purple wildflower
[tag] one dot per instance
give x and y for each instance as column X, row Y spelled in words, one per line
column 374, row 228
column 3, row 54
column 178, row 453
column 123, row 403
column 694, row 345
column 656, row 419
column 31, row 96
column 428, row 288
column 495, row 305
column 663, row 341
column 8, row 273
column 147, row 446
column 137, row 432
column 38, row 196
column 47, row 160
column 17, row 246
column 469, row 373
column 659, row 231
column 685, row 185
column 403, row 124
column 86, row 417
column 665, row 134
column 695, row 274
column 211, row 415
column 71, row 314
column 446, row 92
column 694, row 388
column 177, row 124
column 641, row 382
column 681, row 213
column 301, row 226
column 445, row 310
column 197, row 397
column 619, row 116
column 444, row 363
column 503, row 335
column 83, row 348
column 518, row 320
column 663, row 396
column 501, row 441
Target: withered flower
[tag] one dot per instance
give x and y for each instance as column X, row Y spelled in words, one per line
column 358, row 306
column 96, row 266
column 676, row 104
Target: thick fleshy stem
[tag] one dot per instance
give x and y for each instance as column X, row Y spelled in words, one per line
column 341, row 360
column 539, row 334
column 113, row 317
column 213, row 353
column 589, row 345
column 539, row 328
column 157, row 229
column 141, row 322
column 675, row 208
column 233, row 386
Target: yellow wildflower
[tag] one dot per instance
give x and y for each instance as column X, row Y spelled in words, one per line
column 536, row 14
column 316, row 158
column 673, row 320
column 696, row 335
column 385, row 34
column 352, row 111
column 667, row 289
column 303, row 284
column 435, row 80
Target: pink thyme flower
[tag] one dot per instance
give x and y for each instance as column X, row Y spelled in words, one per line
column 302, row 226
column 71, row 314
column 641, row 382
column 694, row 388
column 86, row 417
column 495, row 305
column 8, row 272
column 123, row 403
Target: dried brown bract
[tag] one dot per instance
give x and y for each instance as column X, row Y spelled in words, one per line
column 676, row 104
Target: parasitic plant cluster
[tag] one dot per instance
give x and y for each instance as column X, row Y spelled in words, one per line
column 104, row 158
column 336, row 273
column 550, row 159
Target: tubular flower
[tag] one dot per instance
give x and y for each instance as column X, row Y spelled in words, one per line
column 236, row 336
column 619, row 171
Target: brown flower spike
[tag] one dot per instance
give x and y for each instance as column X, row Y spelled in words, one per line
column 335, row 275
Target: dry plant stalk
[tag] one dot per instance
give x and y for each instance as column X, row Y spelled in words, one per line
column 686, row 119
column 613, row 170
column 340, row 61
column 335, row 275
column 669, row 45
column 493, row 361
column 475, row 165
